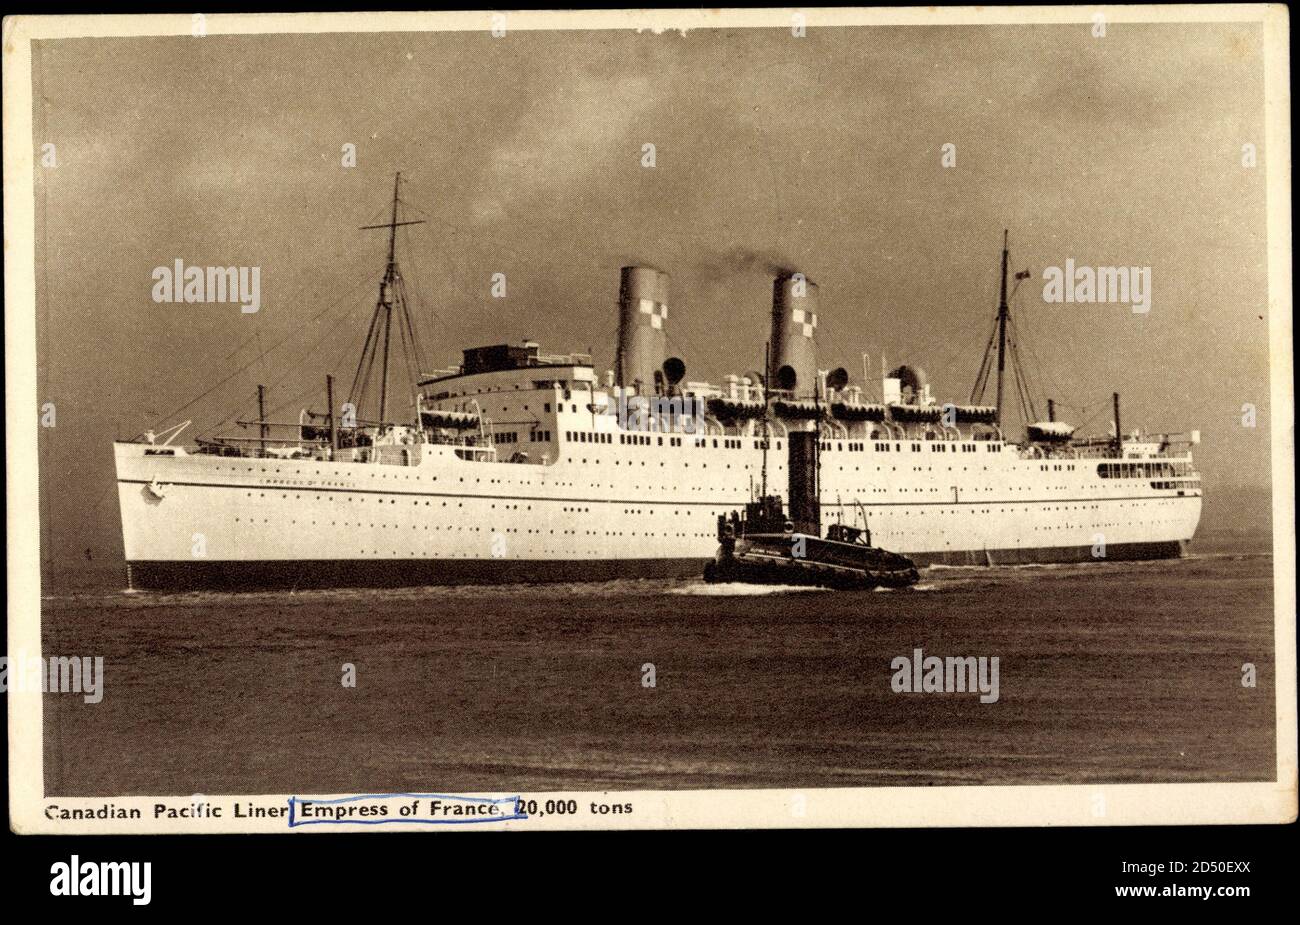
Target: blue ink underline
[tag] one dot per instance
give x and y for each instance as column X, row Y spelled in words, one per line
column 294, row 822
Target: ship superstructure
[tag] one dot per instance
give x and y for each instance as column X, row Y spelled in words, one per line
column 523, row 465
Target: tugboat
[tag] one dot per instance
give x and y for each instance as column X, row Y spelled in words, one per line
column 763, row 547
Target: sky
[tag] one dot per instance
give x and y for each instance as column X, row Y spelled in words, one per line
column 524, row 155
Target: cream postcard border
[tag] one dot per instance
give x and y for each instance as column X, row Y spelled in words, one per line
column 1130, row 804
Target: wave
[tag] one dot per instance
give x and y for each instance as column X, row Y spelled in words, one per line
column 739, row 589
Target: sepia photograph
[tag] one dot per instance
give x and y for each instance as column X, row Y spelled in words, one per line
column 679, row 419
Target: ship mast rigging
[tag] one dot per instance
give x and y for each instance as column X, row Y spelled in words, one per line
column 1004, row 336
column 378, row 344
column 767, row 432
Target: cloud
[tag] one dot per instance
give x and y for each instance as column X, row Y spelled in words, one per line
column 562, row 141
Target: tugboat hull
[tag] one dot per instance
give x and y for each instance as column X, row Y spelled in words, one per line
column 795, row 559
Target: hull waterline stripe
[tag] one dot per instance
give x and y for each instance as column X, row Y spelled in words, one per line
column 250, row 575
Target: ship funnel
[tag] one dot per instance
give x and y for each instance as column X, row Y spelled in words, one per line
column 793, row 364
column 642, row 340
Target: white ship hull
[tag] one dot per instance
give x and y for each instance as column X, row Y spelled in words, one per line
column 607, row 510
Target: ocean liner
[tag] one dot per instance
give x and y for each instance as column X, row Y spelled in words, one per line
column 519, row 465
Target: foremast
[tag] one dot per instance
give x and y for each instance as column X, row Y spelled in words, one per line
column 391, row 308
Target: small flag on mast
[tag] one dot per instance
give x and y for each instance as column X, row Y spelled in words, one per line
column 1023, row 274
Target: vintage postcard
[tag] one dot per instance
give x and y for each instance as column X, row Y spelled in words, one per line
column 661, row 419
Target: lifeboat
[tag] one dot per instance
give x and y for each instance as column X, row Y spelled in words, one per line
column 976, row 414
column 734, row 409
column 848, row 412
column 796, row 410
column 1050, row 432
column 453, row 420
column 916, row 414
